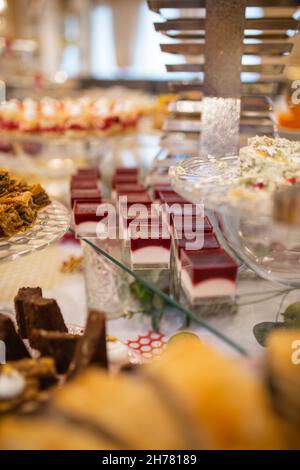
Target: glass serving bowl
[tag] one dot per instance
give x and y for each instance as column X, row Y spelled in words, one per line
column 270, row 248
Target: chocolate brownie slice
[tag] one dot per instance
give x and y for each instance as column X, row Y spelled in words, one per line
column 25, row 293
column 59, row 346
column 14, row 346
column 91, row 348
column 43, row 314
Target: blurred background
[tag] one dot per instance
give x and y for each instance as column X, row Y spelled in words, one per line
column 80, row 43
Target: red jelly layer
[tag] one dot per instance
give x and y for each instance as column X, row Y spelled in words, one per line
column 85, row 195
column 89, row 171
column 126, row 171
column 162, row 188
column 130, row 188
column 138, row 243
column 209, row 264
column 135, row 198
column 190, row 223
column 171, row 198
column 124, row 179
column 210, row 242
column 87, row 212
column 84, row 183
column 152, row 215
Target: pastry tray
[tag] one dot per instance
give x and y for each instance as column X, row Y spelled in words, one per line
column 51, row 224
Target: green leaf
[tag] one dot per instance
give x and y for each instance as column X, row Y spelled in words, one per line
column 292, row 315
column 261, row 330
column 156, row 319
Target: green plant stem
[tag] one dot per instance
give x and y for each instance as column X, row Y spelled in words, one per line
column 273, row 291
column 270, row 297
column 169, row 301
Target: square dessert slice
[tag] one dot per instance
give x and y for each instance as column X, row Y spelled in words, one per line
column 175, row 204
column 91, row 347
column 60, row 346
column 156, row 189
column 210, row 242
column 84, row 183
column 181, row 223
column 151, row 252
column 126, row 171
column 127, row 188
column 24, row 293
column 41, row 313
column 134, row 218
column 86, row 219
column 187, row 242
column 124, row 179
column 85, row 195
column 208, row 274
column 89, row 171
column 14, row 346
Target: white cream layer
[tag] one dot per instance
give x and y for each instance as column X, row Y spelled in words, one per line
column 217, row 287
column 150, row 255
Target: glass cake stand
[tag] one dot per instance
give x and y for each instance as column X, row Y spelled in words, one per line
column 271, row 249
column 51, row 224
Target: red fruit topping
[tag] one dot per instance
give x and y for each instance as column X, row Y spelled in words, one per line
column 258, row 185
column 292, row 180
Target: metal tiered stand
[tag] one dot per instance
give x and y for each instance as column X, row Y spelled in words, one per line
column 213, row 37
column 204, row 33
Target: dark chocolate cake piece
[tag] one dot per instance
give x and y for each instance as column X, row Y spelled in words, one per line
column 59, row 346
column 25, row 293
column 91, row 347
column 14, row 346
column 43, row 314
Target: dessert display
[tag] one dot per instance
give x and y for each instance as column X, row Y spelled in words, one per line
column 75, row 117
column 179, row 245
column 86, row 218
column 264, row 166
column 100, row 411
column 209, row 275
column 156, row 226
column 19, row 204
column 168, row 316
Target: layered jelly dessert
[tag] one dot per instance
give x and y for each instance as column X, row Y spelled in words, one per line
column 90, row 172
column 85, row 195
column 127, row 188
column 151, row 252
column 208, row 241
column 124, row 179
column 88, row 217
column 149, row 215
column 184, row 224
column 208, row 274
column 126, row 171
column 84, row 183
